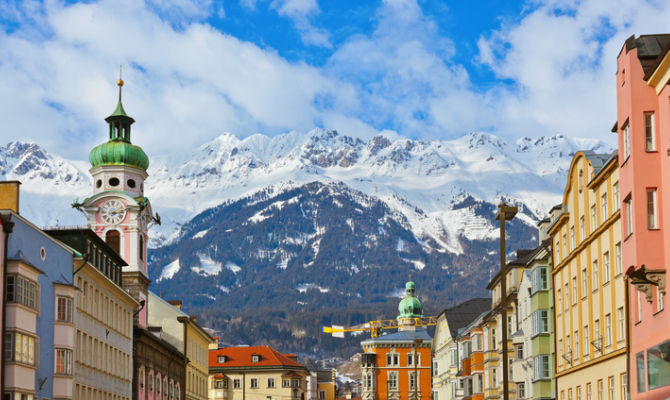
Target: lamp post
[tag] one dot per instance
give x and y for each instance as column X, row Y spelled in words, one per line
column 417, row 342
column 505, row 213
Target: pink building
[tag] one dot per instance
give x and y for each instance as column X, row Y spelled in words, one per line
column 643, row 129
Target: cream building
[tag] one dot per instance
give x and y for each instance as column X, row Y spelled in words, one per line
column 589, row 290
column 255, row 373
column 183, row 332
column 103, row 318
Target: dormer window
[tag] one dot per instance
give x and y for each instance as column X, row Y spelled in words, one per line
column 221, row 359
column 255, row 358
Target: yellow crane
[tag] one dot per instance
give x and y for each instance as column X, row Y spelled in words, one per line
column 375, row 327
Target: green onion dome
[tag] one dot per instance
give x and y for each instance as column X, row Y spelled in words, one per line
column 410, row 306
column 119, row 152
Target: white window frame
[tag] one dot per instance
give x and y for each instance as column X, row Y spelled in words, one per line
column 649, row 131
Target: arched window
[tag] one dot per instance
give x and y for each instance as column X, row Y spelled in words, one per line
column 171, row 389
column 141, row 247
column 151, row 382
column 178, row 390
column 158, row 384
column 113, row 239
column 165, row 388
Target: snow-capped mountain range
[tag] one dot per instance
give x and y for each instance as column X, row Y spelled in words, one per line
column 422, row 180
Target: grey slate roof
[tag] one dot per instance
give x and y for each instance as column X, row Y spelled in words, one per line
column 401, row 337
column 463, row 314
column 649, row 49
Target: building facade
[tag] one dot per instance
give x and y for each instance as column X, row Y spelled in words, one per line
column 38, row 340
column 589, row 290
column 397, row 366
column 255, row 373
column 643, row 129
column 183, row 332
column 454, row 353
column 533, row 365
column 103, row 318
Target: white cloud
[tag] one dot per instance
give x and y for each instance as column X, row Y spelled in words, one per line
column 300, row 11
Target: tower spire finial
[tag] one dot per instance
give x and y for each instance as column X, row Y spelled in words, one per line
column 120, row 81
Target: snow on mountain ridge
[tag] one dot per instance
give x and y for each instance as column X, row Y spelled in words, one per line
column 420, row 179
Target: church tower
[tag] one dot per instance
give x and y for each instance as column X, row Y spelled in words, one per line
column 118, row 211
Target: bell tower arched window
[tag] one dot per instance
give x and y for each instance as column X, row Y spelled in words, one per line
column 113, row 239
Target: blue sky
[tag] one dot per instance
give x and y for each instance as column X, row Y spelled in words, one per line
column 414, row 68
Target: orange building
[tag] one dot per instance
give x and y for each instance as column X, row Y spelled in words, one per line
column 393, row 364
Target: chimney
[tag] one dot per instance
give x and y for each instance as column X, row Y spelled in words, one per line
column 176, row 303
column 9, row 195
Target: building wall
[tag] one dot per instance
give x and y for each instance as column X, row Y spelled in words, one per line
column 263, row 391
column 403, row 370
column 197, row 370
column 444, row 370
column 589, row 320
column 103, row 337
column 55, row 261
column 639, row 172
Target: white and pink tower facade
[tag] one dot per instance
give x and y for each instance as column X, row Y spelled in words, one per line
column 118, row 211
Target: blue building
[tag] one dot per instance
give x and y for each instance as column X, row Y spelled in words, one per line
column 38, row 336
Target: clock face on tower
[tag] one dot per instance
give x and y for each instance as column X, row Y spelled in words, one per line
column 112, row 212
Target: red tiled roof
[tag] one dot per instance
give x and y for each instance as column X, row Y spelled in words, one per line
column 218, row 376
column 241, row 357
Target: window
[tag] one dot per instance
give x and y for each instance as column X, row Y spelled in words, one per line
column 113, row 239
column 392, row 359
column 596, row 334
column 585, row 282
column 587, row 343
column 575, row 351
column 565, row 244
column 610, row 387
column 621, row 323
column 639, row 306
column 218, row 384
column 221, row 359
column 570, row 394
column 579, row 393
column 596, row 281
column 23, row 291
column 658, row 365
column 608, row 330
column 626, row 143
column 286, row 383
column 412, row 380
column 393, row 380
column 567, row 297
column 558, row 251
column 618, row 265
column 559, row 297
column 271, row 383
column 641, row 376
column 540, row 320
column 660, row 299
column 253, row 383
column 521, row 390
column 615, row 199
column 603, row 206
column 624, row 386
column 158, row 384
column 63, row 361
column 574, row 290
column 606, row 267
column 19, row 348
column 237, row 383
column 479, row 383
column 322, row 395
column 541, row 367
column 572, row 237
column 295, row 383
column 539, row 279
column 652, row 222
column 589, row 394
column 494, row 377
column 629, row 216
column 649, row 135
column 255, row 358
column 580, row 184
column 601, row 389
column 494, row 338
column 518, row 350
column 594, row 218
column 582, row 228
column 64, row 309
column 368, row 380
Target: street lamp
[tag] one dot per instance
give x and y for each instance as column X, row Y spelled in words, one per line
column 505, row 213
column 417, row 342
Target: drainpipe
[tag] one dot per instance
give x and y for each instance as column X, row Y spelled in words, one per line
column 627, row 316
column 244, row 386
column 7, row 228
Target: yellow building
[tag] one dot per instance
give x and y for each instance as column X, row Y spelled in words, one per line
column 326, row 385
column 255, row 373
column 183, row 332
column 590, row 299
